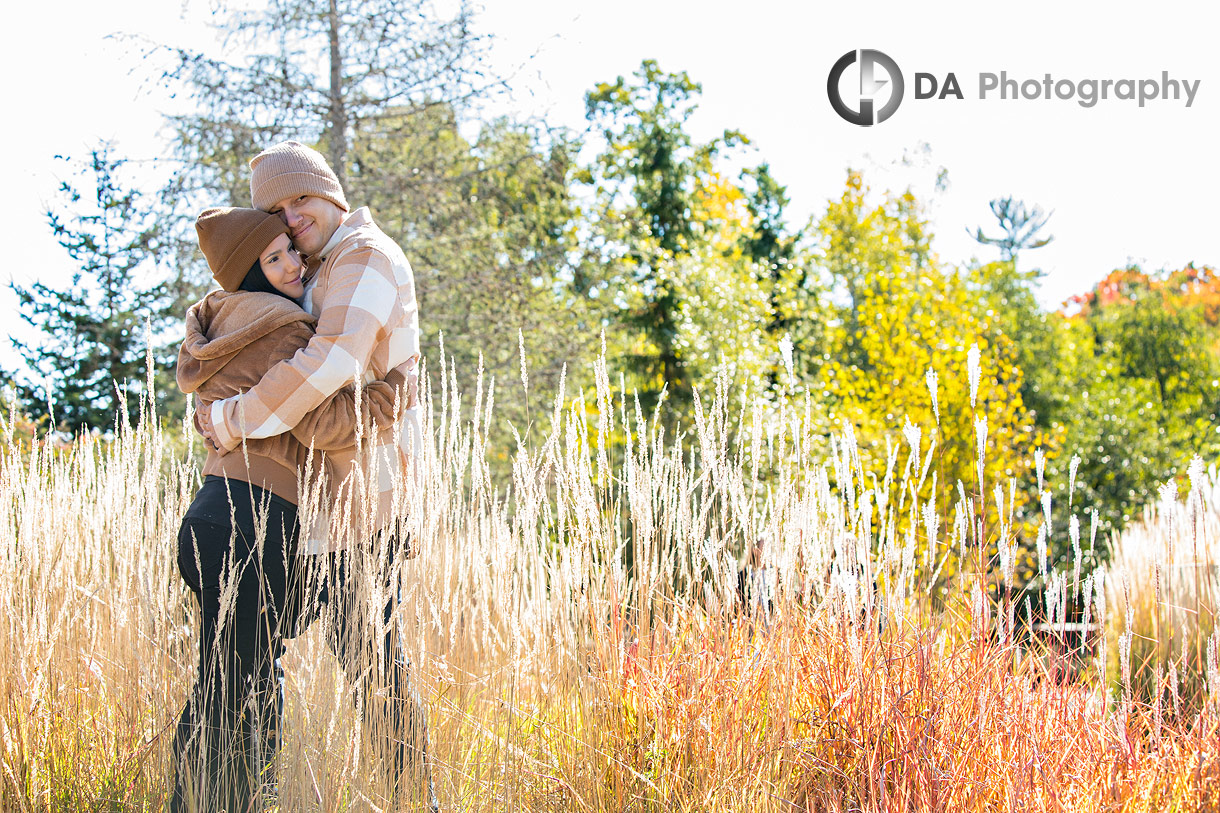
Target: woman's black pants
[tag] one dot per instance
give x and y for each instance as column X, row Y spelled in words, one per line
column 237, row 551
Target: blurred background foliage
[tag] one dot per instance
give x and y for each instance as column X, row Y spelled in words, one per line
column 535, row 249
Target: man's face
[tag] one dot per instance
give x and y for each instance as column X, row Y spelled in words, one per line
column 310, row 219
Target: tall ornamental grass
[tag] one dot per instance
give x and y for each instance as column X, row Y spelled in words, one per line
column 1163, row 584
column 580, row 641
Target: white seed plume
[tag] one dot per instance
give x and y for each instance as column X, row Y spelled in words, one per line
column 931, row 524
column 1168, row 494
column 977, row 608
column 972, row 367
column 1213, row 670
column 1088, row 604
column 1072, row 467
column 1124, row 661
column 1195, row 472
column 525, row 378
column 930, row 378
column 785, row 353
column 913, row 435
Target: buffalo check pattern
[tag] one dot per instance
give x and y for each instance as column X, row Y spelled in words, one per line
column 363, row 295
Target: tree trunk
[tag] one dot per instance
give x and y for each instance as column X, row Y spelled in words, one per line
column 336, row 131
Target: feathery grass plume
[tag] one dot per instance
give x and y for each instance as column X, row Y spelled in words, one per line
column 972, row 368
column 10, row 421
column 1100, row 601
column 785, row 354
column 930, row 378
column 1094, row 518
column 1087, row 607
column 913, row 436
column 1073, row 466
column 1213, row 671
column 1041, row 551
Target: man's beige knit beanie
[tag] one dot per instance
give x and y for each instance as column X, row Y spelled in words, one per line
column 290, row 169
column 233, row 239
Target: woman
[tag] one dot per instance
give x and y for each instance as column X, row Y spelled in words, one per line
column 237, row 546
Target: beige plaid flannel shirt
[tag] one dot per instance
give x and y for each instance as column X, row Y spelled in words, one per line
column 363, row 295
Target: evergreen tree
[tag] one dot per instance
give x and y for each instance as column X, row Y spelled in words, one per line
column 784, row 269
column 92, row 354
column 1020, row 225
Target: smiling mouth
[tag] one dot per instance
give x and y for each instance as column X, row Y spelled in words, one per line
column 297, row 234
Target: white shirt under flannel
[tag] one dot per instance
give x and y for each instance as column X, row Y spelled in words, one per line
column 363, row 295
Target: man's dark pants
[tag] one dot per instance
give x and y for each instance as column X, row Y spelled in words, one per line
column 363, row 636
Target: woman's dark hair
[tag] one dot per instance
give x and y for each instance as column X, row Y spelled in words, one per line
column 256, row 280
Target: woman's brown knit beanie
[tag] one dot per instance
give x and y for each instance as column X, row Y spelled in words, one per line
column 232, row 240
column 290, row 169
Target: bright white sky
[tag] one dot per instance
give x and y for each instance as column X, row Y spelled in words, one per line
column 1125, row 183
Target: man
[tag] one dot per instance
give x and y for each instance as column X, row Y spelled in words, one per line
column 360, row 287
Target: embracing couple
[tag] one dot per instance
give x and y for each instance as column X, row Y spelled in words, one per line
column 304, row 366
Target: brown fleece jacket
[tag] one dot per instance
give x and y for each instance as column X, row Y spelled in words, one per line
column 232, row 339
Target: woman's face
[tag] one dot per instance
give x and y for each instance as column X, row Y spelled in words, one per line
column 282, row 266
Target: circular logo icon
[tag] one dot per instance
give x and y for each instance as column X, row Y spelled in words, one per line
column 871, row 87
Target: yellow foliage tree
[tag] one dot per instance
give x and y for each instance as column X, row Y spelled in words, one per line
column 902, row 358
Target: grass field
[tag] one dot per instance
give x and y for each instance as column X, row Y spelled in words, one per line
column 579, row 641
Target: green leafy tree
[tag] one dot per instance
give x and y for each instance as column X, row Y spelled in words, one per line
column 857, row 243
column 1137, row 395
column 667, row 239
column 1010, row 304
column 88, row 366
column 489, row 225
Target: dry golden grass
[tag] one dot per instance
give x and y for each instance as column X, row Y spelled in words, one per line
column 578, row 641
